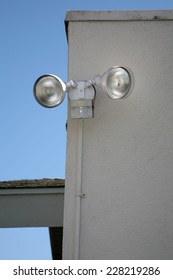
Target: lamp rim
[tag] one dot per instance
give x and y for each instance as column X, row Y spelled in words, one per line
column 63, row 85
column 131, row 80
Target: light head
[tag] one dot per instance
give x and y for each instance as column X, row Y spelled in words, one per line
column 117, row 82
column 49, row 90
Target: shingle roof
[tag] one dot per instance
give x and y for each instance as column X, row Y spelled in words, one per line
column 36, row 183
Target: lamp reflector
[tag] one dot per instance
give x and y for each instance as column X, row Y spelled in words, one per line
column 49, row 90
column 118, row 83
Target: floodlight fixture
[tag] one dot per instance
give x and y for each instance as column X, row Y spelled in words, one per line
column 49, row 90
column 117, row 82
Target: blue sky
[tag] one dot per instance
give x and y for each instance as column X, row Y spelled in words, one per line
column 33, row 139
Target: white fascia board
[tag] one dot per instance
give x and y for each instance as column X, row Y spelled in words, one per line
column 42, row 207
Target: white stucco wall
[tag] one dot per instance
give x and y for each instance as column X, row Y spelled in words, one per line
column 127, row 153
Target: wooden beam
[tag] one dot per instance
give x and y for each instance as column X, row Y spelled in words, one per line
column 56, row 234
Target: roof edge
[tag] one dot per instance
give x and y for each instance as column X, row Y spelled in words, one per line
column 119, row 15
column 35, row 183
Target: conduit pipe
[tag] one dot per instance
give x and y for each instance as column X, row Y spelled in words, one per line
column 79, row 194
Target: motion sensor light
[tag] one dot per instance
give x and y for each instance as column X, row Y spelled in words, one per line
column 49, row 90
